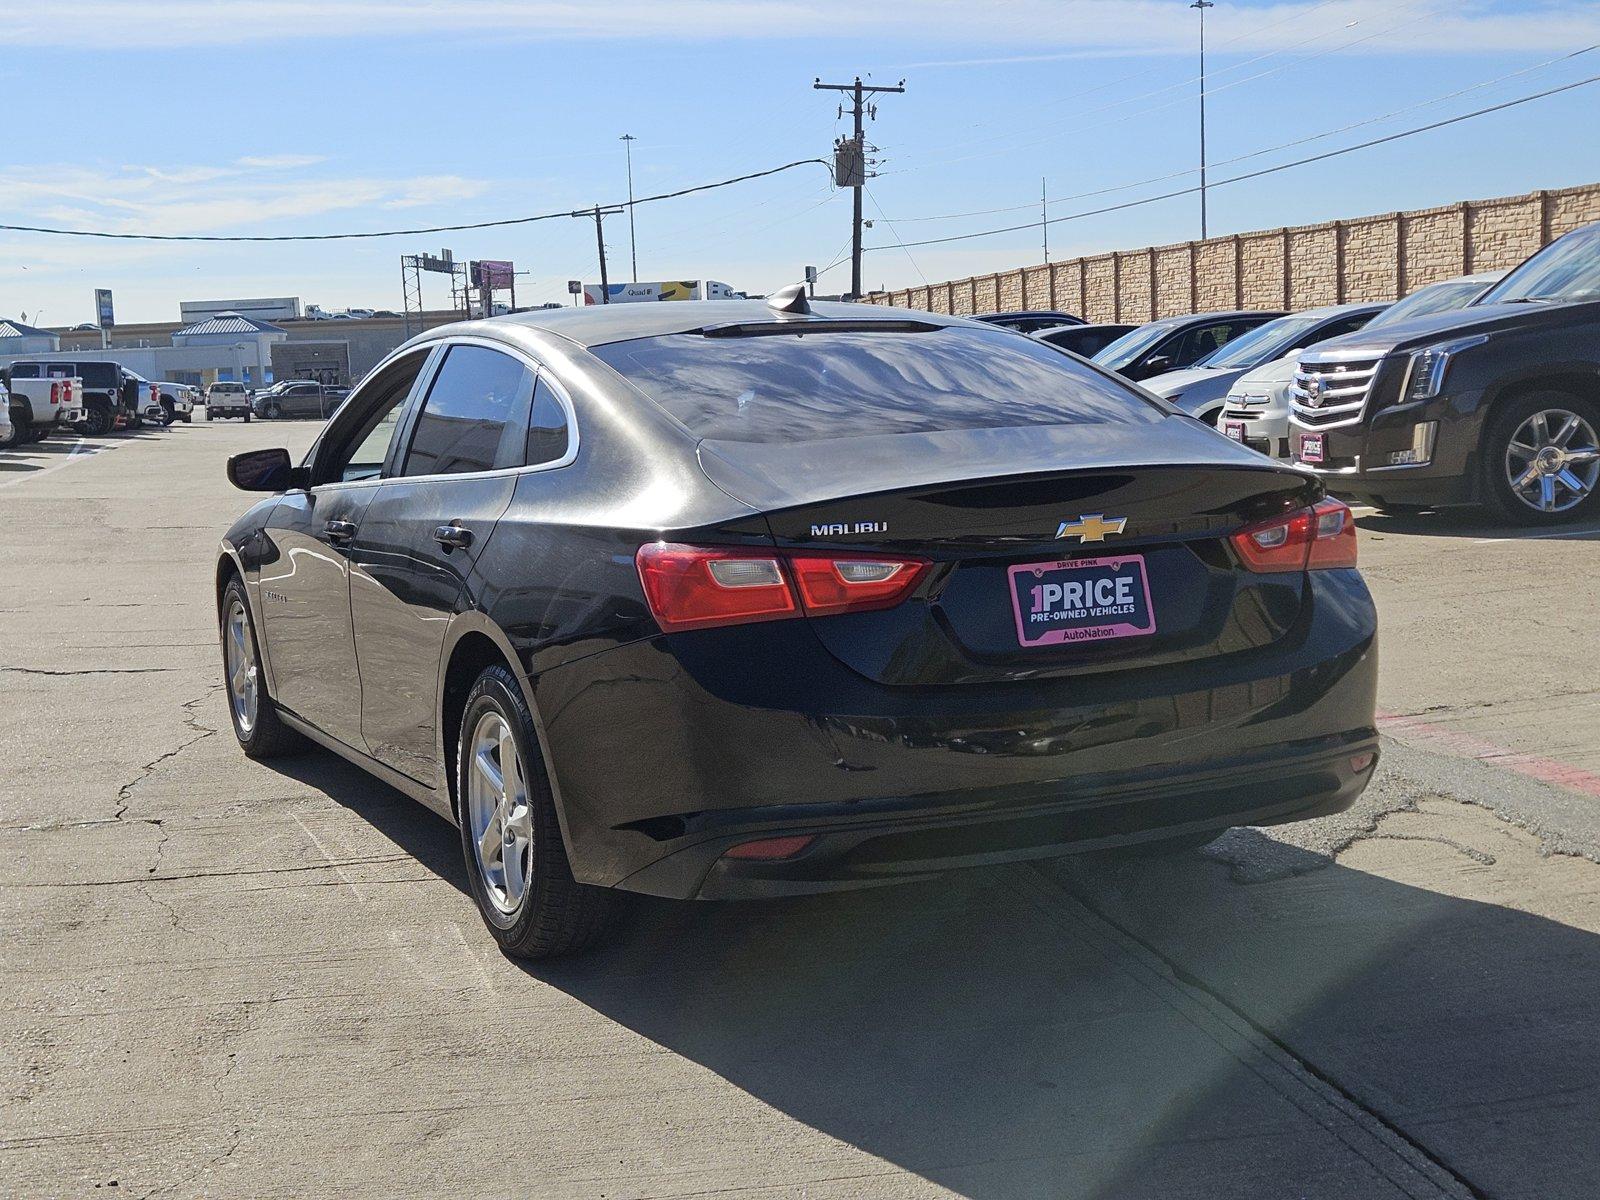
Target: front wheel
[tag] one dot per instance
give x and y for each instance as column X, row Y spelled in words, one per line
column 1541, row 458
column 255, row 718
column 516, row 860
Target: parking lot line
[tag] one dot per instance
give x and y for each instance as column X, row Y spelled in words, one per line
column 79, row 453
column 1537, row 536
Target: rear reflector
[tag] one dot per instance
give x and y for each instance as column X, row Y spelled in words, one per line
column 699, row 587
column 1306, row 539
column 771, row 849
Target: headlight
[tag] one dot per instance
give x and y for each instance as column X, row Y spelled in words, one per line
column 1428, row 366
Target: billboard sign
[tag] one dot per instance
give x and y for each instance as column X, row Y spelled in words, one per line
column 493, row 274
column 103, row 315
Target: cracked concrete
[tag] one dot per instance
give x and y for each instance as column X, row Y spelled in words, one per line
column 228, row 979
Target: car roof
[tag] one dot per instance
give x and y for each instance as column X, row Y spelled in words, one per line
column 600, row 324
column 1328, row 311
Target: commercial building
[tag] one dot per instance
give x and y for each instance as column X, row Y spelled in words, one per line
column 17, row 340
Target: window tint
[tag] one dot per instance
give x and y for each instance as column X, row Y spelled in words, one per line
column 26, row 371
column 366, row 448
column 824, row 384
column 471, row 420
column 1342, row 327
column 1197, row 343
column 547, row 427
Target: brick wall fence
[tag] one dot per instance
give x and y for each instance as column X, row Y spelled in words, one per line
column 1301, row 266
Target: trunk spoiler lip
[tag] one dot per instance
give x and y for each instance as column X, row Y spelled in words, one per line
column 727, row 479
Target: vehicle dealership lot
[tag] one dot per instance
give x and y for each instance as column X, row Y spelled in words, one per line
column 225, row 978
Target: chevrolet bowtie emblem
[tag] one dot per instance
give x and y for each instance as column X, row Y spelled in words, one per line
column 1092, row 527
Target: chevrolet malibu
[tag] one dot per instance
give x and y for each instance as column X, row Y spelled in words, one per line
column 737, row 599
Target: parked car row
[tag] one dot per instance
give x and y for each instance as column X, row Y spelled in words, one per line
column 93, row 397
column 1481, row 390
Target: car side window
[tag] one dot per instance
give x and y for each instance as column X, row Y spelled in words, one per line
column 362, row 453
column 1339, row 328
column 548, row 435
column 1197, row 343
column 472, row 419
column 25, row 371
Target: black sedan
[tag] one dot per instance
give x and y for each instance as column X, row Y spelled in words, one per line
column 1029, row 320
column 730, row 599
column 1087, row 340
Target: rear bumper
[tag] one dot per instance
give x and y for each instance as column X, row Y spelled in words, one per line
column 666, row 753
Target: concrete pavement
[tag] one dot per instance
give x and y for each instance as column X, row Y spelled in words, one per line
column 222, row 978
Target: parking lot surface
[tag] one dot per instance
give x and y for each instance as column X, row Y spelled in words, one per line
column 228, row 978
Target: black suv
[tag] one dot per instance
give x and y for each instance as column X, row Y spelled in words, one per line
column 1496, row 404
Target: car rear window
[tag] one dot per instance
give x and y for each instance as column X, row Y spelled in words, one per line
column 817, row 385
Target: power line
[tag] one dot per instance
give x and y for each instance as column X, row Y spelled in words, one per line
column 1300, row 162
column 337, row 237
column 1300, row 141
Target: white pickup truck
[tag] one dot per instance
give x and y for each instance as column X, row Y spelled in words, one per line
column 41, row 406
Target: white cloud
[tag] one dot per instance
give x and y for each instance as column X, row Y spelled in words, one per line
column 1032, row 27
column 142, row 199
column 274, row 162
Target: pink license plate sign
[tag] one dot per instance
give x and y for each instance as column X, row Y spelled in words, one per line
column 1082, row 600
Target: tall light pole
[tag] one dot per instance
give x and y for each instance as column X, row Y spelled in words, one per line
column 628, row 140
column 1202, row 5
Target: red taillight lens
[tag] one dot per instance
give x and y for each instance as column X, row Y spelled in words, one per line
column 1335, row 541
column 1306, row 539
column 836, row 583
column 55, row 393
column 696, row 587
column 691, row 587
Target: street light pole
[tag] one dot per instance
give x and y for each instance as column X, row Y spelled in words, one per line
column 633, row 246
column 1202, row 5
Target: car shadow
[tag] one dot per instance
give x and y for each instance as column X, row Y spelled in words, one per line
column 984, row 1033
column 1471, row 523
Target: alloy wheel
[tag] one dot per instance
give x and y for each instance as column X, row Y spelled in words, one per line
column 243, row 674
column 498, row 810
column 1552, row 462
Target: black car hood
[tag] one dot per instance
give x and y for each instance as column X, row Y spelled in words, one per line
column 776, row 475
column 1461, row 322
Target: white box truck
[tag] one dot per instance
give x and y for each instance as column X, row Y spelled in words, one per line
column 670, row 289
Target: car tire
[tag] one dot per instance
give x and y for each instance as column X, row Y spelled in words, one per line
column 188, row 418
column 98, row 423
column 533, row 907
column 272, row 412
column 169, row 413
column 254, row 716
column 15, row 431
column 1525, row 474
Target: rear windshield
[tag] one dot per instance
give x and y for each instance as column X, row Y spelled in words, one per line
column 819, row 385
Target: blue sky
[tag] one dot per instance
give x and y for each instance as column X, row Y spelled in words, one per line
column 281, row 116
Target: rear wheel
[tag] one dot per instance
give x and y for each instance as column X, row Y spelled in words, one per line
column 516, row 860
column 170, row 413
column 272, row 412
column 98, row 422
column 247, row 418
column 255, row 718
column 1541, row 458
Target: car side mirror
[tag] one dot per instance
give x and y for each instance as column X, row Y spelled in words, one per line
column 1158, row 364
column 266, row 471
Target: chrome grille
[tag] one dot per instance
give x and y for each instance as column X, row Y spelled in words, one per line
column 1332, row 392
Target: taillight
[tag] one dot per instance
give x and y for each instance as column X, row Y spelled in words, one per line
column 696, row 587
column 836, row 583
column 690, row 587
column 1308, row 539
column 55, row 393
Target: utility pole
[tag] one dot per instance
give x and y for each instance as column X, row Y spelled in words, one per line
column 1202, row 5
column 853, row 155
column 599, row 214
column 628, row 140
column 1044, row 219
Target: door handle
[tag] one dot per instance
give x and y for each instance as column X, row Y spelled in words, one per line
column 339, row 531
column 453, row 537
